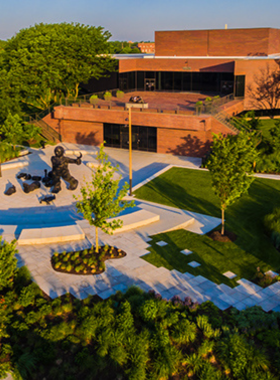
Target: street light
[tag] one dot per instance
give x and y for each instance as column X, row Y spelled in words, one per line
column 130, row 150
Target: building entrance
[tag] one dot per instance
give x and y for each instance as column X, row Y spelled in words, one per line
column 150, row 84
column 124, row 138
column 143, row 138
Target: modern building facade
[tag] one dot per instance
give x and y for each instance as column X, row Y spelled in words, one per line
column 215, row 61
column 205, row 61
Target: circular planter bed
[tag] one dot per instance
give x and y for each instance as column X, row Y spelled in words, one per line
column 226, row 238
column 86, row 261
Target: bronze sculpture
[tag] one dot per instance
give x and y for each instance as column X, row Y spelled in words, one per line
column 60, row 170
column 33, row 186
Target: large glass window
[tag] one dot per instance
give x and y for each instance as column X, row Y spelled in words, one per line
column 177, row 82
column 143, row 138
column 181, row 81
column 239, row 85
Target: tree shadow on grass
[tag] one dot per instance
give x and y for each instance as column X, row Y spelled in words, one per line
column 161, row 190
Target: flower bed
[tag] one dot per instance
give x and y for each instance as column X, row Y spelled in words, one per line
column 86, row 261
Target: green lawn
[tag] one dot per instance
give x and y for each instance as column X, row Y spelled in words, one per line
column 191, row 190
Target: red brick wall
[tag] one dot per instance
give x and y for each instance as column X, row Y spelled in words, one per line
column 223, row 42
column 251, row 69
column 162, row 120
column 165, row 64
column 183, row 143
column 191, row 137
column 181, row 43
column 274, row 41
column 82, row 132
column 234, row 107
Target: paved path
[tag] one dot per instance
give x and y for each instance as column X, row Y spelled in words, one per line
column 23, row 211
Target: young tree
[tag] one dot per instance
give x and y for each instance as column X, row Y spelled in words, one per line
column 231, row 167
column 102, row 199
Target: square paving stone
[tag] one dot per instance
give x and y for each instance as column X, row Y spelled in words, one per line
column 222, row 305
column 229, row 274
column 194, row 264
column 161, row 243
column 240, row 306
column 186, row 252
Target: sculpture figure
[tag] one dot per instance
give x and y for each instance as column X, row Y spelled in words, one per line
column 33, row 186
column 11, row 190
column 136, row 99
column 47, row 199
column 60, row 170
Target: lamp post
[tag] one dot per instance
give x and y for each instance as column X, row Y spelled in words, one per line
column 130, row 151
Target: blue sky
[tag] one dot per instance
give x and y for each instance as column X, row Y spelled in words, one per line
column 137, row 20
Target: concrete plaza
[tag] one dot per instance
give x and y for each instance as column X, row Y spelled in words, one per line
column 22, row 211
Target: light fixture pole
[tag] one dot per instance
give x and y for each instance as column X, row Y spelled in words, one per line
column 130, row 151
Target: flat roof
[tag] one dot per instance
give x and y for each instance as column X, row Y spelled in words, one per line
column 152, row 56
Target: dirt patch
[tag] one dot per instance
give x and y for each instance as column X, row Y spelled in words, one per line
column 228, row 237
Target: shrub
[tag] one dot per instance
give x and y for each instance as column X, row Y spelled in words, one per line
column 272, row 226
column 93, row 100
column 120, row 94
column 28, row 294
column 198, row 107
column 107, row 96
column 8, row 262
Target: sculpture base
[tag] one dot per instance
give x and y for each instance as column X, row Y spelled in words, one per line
column 136, row 105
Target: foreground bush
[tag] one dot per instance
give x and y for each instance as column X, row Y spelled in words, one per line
column 133, row 336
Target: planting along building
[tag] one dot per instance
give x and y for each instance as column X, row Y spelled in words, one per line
column 193, row 63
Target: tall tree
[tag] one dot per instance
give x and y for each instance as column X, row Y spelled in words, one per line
column 45, row 62
column 231, row 167
column 102, row 199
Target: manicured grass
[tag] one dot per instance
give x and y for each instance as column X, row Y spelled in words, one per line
column 191, row 190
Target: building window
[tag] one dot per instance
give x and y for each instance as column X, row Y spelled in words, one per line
column 143, row 138
column 239, row 88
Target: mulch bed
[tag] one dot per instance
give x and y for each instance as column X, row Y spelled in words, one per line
column 228, row 237
column 85, row 262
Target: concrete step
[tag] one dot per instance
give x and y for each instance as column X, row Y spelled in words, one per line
column 136, row 219
column 51, row 235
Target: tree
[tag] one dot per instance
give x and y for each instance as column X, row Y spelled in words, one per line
column 231, row 166
column 15, row 131
column 102, row 199
column 265, row 89
column 8, row 262
column 47, row 62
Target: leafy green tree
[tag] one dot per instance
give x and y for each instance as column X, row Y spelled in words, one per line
column 231, row 166
column 47, row 62
column 12, row 130
column 15, row 131
column 6, row 153
column 102, row 198
column 8, row 262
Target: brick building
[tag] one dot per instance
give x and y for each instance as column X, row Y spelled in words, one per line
column 146, row 47
column 216, row 61
column 199, row 62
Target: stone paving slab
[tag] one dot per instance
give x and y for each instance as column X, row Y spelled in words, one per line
column 229, row 274
column 186, row 252
column 194, row 264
